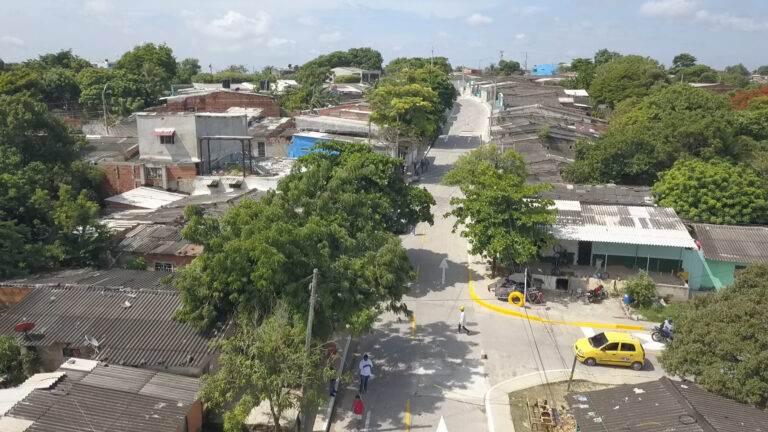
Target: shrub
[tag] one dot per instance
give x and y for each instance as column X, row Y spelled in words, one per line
column 543, row 132
column 137, row 263
column 641, row 289
column 353, row 79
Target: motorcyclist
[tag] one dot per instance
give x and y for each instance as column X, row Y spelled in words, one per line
column 667, row 328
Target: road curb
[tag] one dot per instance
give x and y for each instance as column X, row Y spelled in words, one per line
column 500, row 417
column 323, row 422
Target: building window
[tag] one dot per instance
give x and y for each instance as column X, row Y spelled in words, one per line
column 166, row 139
column 163, row 266
column 71, row 352
column 262, row 149
column 154, row 173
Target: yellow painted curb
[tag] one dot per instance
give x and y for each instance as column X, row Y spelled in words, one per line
column 506, row 311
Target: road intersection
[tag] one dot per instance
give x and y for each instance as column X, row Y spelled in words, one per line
column 427, row 375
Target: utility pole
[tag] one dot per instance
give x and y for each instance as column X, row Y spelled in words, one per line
column 501, row 55
column 310, row 319
column 104, row 106
column 525, row 65
column 432, row 57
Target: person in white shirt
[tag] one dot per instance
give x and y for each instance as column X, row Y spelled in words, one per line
column 463, row 321
column 366, row 366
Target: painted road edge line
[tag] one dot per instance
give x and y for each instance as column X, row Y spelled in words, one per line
column 408, row 416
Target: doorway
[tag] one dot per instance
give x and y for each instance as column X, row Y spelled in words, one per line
column 585, row 253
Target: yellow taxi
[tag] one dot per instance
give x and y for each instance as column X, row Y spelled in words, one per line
column 611, row 348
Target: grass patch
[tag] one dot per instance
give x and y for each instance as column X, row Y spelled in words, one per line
column 658, row 313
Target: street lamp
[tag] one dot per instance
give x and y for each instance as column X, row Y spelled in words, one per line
column 104, row 106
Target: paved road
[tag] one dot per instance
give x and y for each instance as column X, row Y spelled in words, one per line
column 423, row 369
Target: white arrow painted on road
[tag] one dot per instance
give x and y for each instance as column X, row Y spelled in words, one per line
column 443, row 266
column 441, row 427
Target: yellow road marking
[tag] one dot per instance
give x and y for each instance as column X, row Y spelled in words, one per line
column 413, row 326
column 408, row 416
column 423, row 234
column 538, row 318
column 438, row 188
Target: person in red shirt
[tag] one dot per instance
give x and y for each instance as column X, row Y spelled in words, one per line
column 357, row 409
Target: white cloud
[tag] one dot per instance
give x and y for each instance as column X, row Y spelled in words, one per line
column 12, row 41
column 330, row 37
column 230, row 26
column 477, row 19
column 274, row 43
column 520, row 36
column 669, row 8
column 690, row 10
column 309, row 21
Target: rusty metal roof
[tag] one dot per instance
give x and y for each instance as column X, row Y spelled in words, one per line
column 154, row 239
column 663, row 405
column 742, row 244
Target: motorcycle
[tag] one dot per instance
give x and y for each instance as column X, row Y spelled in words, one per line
column 658, row 335
column 596, row 294
column 534, row 295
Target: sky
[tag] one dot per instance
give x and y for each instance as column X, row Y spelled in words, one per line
column 468, row 32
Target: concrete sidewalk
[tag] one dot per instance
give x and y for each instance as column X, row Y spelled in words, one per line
column 497, row 399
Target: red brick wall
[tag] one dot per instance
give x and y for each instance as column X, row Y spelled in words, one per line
column 181, row 172
column 195, row 418
column 9, row 296
column 119, row 178
column 343, row 111
column 223, row 100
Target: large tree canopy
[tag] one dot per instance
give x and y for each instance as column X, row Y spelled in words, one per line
column 679, row 120
column 721, row 339
column 500, row 214
column 334, row 212
column 624, row 78
column 150, row 60
column 713, row 192
column 400, row 63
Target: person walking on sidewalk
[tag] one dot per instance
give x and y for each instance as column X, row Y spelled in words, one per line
column 357, row 410
column 365, row 373
column 463, row 321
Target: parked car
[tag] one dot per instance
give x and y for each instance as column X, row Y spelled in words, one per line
column 611, row 348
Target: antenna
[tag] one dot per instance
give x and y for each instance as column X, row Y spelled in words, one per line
column 501, row 55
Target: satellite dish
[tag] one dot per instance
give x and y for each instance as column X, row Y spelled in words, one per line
column 24, row 327
column 126, row 304
column 91, row 341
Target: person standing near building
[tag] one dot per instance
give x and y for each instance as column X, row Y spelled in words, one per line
column 366, row 366
column 463, row 321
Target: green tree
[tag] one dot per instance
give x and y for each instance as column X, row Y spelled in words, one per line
column 64, row 59
column 738, row 69
column 14, row 255
column 762, row 70
column 365, row 58
column 334, row 212
column 641, row 289
column 713, row 192
column 186, row 69
column 585, row 74
column 605, row 56
column 266, row 361
column 20, row 80
column 679, row 120
column 509, row 67
column 123, row 90
column 720, row 339
column 10, row 361
column 59, row 87
column 312, row 76
column 82, row 239
column 501, row 215
column 624, row 78
column 150, row 59
column 428, row 76
column 696, row 74
column 683, row 60
column 400, row 63
column 409, row 109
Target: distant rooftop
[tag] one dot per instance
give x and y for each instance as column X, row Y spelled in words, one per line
column 145, row 197
column 741, row 244
column 113, row 278
column 157, row 239
column 99, row 148
column 83, row 395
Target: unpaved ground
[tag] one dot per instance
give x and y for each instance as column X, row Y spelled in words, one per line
column 554, row 394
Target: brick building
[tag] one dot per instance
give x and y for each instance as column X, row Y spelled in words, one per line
column 219, row 101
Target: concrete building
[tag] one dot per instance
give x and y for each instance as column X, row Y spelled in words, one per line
column 218, row 100
column 366, row 76
column 174, row 149
column 85, row 395
column 724, row 251
column 544, row 69
column 607, row 244
column 353, row 111
column 141, row 198
column 271, row 136
column 161, row 246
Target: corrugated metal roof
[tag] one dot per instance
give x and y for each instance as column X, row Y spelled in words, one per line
column 112, row 278
column 743, row 244
column 663, row 405
column 653, row 226
column 110, row 399
column 145, row 197
column 132, row 327
column 153, row 239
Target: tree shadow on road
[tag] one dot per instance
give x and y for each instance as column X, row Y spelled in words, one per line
column 430, row 274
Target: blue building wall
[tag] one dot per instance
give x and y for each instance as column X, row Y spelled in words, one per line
column 544, row 69
column 708, row 274
column 301, row 145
